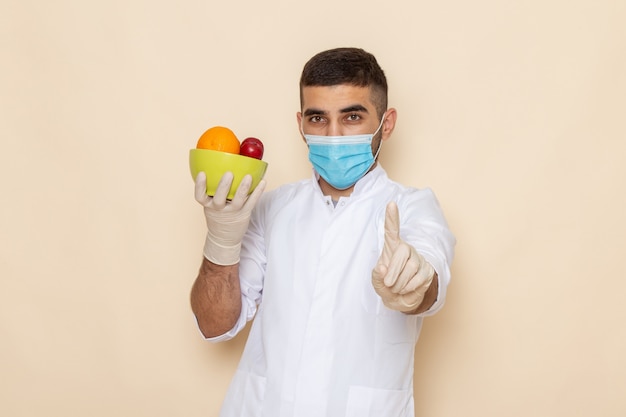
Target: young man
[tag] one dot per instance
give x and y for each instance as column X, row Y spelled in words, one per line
column 338, row 270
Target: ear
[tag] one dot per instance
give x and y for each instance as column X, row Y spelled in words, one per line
column 299, row 120
column 389, row 123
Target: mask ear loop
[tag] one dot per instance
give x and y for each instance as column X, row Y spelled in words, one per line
column 382, row 120
column 380, row 144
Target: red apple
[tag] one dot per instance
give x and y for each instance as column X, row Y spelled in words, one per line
column 251, row 147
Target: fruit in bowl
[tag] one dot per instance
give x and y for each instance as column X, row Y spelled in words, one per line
column 216, row 153
column 219, row 138
column 252, row 147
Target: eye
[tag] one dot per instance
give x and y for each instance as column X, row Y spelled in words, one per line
column 316, row 119
column 353, row 117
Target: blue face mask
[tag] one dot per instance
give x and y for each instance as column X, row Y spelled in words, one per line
column 342, row 160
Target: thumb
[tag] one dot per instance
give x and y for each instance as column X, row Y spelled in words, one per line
column 200, row 188
column 392, row 232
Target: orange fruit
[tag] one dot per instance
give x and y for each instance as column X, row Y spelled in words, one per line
column 219, row 138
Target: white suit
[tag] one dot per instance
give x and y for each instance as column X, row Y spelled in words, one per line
column 322, row 343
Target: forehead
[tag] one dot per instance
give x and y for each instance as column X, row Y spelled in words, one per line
column 336, row 97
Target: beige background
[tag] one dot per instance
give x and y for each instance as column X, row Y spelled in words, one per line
column 512, row 111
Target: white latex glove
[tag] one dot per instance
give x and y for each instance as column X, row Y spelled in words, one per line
column 227, row 221
column 401, row 276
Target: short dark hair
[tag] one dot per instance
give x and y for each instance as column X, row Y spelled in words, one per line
column 352, row 66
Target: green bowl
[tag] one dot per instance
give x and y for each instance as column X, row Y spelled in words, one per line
column 216, row 163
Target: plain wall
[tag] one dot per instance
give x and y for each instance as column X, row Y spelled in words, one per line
column 513, row 112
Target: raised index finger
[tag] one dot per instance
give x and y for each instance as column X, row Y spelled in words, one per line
column 392, row 230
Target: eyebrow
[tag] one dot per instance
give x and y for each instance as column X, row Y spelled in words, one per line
column 313, row 112
column 350, row 109
column 354, row 108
